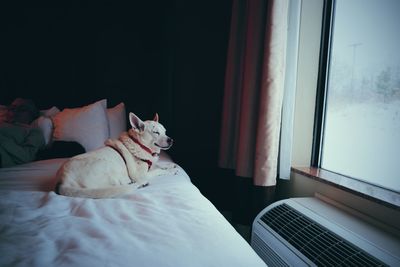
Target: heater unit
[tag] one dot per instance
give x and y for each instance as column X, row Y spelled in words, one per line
column 313, row 232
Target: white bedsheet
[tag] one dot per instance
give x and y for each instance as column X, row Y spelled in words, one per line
column 168, row 223
column 33, row 176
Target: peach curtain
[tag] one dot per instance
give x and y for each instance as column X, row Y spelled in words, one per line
column 254, row 86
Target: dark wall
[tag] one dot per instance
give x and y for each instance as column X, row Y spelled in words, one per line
column 156, row 56
column 71, row 56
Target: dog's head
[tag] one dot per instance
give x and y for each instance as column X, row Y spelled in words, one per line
column 151, row 132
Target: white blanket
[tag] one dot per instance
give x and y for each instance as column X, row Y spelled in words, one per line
column 168, row 223
column 34, row 176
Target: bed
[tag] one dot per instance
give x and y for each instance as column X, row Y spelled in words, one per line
column 168, row 223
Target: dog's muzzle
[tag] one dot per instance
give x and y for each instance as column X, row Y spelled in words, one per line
column 169, row 142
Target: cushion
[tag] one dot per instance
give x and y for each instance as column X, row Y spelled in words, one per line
column 86, row 125
column 116, row 120
column 46, row 126
column 49, row 112
column 45, row 123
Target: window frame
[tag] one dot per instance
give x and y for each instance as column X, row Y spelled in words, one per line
column 364, row 189
column 323, row 77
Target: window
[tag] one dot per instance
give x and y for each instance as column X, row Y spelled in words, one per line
column 360, row 107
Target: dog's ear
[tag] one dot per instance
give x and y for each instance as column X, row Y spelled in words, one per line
column 136, row 123
column 156, row 117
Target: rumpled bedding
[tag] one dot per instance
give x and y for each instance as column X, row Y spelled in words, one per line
column 32, row 176
column 19, row 144
column 168, row 223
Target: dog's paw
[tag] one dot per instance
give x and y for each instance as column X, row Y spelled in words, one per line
column 139, row 184
column 109, row 142
column 169, row 166
column 174, row 171
column 143, row 184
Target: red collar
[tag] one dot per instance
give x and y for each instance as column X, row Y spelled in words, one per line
column 149, row 163
column 145, row 148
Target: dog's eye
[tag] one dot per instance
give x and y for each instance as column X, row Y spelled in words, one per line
column 157, row 133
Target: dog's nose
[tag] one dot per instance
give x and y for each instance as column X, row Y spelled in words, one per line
column 170, row 141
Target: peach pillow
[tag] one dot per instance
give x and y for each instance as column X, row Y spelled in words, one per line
column 117, row 120
column 86, row 125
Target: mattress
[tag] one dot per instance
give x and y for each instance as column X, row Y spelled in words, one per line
column 168, row 223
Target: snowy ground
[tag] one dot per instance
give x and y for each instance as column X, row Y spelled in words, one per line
column 363, row 141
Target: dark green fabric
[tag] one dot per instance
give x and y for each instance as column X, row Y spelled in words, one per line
column 19, row 144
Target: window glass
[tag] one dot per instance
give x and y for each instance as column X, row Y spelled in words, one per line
column 361, row 136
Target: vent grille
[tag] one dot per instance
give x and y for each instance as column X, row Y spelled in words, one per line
column 267, row 253
column 316, row 242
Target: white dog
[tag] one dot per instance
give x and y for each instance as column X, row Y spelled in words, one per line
column 119, row 167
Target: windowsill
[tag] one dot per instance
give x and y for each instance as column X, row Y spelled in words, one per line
column 377, row 194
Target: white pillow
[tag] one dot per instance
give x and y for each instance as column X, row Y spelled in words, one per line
column 86, row 125
column 46, row 126
column 116, row 120
column 49, row 112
